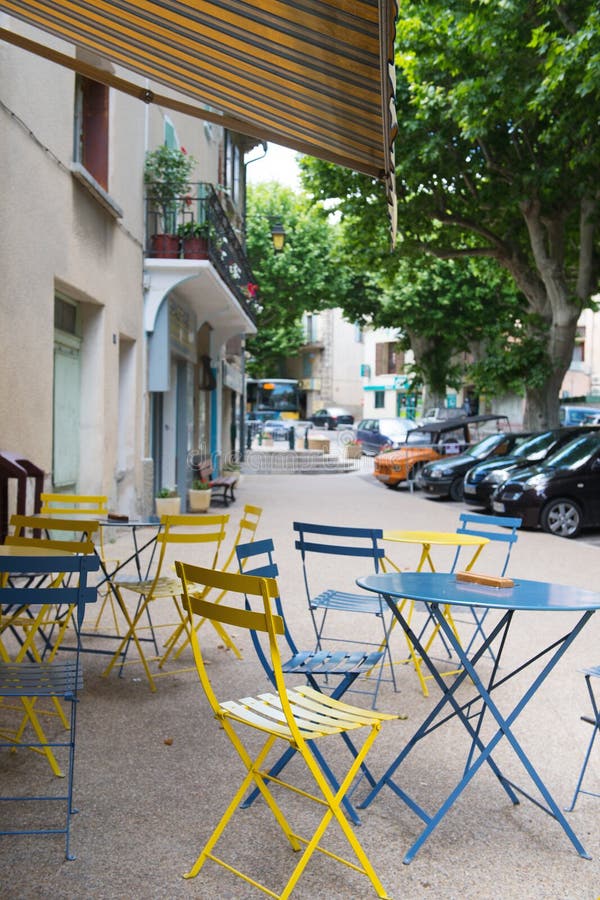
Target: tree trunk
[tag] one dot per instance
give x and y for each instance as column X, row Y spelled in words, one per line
column 547, row 291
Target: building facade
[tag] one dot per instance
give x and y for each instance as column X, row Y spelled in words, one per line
column 119, row 364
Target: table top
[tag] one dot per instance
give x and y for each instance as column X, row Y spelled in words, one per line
column 442, row 538
column 438, row 587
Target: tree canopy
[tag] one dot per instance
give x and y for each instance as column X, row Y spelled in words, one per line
column 301, row 278
column 498, row 157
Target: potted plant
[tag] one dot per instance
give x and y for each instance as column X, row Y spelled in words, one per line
column 199, row 496
column 167, row 173
column 194, row 239
column 168, row 502
column 353, row 450
column 233, row 470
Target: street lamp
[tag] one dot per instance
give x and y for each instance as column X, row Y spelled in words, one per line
column 277, row 235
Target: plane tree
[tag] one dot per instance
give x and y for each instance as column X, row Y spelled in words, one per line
column 498, row 158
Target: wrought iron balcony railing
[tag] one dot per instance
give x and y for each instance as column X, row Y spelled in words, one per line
column 196, row 227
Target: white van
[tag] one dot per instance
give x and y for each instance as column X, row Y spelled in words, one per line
column 577, row 415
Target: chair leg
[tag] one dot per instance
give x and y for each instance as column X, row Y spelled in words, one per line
column 595, row 722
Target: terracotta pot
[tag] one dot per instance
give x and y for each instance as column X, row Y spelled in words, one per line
column 164, row 246
column 195, row 248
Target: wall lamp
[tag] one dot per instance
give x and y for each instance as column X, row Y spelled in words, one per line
column 277, row 235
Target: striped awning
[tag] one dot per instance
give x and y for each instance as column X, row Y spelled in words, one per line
column 313, row 75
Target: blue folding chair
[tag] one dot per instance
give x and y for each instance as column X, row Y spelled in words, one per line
column 594, row 721
column 25, row 678
column 317, row 666
column 351, row 543
column 500, row 529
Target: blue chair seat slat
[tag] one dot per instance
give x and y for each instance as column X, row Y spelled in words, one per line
column 55, row 679
column 594, row 670
column 347, row 602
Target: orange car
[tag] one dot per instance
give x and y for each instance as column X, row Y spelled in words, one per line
column 432, row 441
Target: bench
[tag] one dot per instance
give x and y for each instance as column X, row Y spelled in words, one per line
column 221, row 488
column 224, row 489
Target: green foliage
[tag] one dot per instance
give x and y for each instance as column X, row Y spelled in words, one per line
column 498, row 157
column 167, row 172
column 193, row 230
column 165, row 492
column 303, row 277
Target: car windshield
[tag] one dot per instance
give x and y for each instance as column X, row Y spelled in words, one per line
column 393, row 428
column 481, row 449
column 536, row 447
column 574, row 454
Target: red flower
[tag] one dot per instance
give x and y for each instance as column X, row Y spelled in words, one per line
column 183, row 150
column 252, row 289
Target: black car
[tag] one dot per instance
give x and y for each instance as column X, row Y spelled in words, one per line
column 483, row 479
column 562, row 494
column 331, row 417
column 376, row 434
column 444, row 478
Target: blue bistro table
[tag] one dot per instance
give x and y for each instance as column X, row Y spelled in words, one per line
column 437, row 590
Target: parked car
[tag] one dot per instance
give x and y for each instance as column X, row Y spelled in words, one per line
column 428, row 442
column 481, row 481
column 331, row 417
column 576, row 415
column 376, row 434
column 445, row 477
column 442, row 413
column 562, row 494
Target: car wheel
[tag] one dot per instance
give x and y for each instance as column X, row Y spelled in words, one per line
column 413, row 477
column 562, row 517
column 456, row 490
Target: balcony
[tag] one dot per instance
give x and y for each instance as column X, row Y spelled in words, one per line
column 192, row 246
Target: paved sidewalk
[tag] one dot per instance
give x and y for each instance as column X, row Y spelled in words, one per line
column 153, row 772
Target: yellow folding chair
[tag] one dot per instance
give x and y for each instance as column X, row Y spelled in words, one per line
column 245, row 534
column 86, row 506
column 176, row 530
column 294, row 716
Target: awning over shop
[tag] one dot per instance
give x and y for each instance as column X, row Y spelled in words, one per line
column 312, row 75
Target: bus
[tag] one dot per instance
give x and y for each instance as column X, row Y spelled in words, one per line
column 272, row 398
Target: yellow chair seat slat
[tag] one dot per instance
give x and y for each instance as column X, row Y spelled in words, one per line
column 162, row 587
column 242, row 713
column 269, row 704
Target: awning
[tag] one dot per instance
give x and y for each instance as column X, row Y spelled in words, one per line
column 313, row 75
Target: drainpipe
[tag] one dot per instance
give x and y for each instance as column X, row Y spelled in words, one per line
column 243, row 359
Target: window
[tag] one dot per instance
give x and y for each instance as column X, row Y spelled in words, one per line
column 579, row 345
column 388, row 359
column 232, row 167
column 91, row 128
column 379, row 399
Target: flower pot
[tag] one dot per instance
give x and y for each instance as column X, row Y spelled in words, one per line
column 168, row 506
column 319, row 443
column 199, row 501
column 164, row 246
column 195, row 247
column 353, row 451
